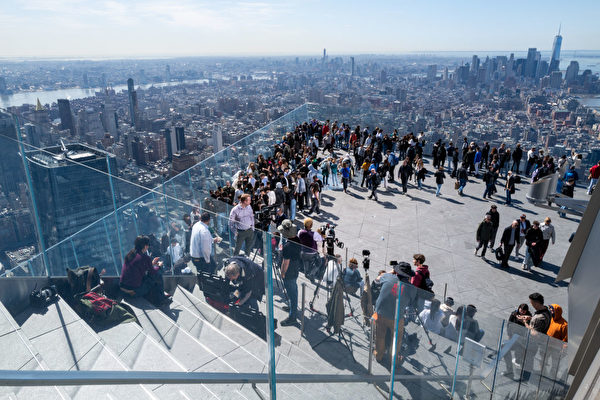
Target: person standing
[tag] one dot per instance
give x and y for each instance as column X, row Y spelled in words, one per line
column 374, row 183
column 315, row 196
column 485, row 154
column 300, row 191
column 547, row 234
column 290, row 267
column 593, row 177
column 533, row 239
column 241, row 223
column 489, row 177
column 509, row 188
column 484, row 234
column 462, row 178
column 524, row 226
column 201, row 244
column 517, row 155
column 510, row 237
column 495, row 216
column 345, row 177
column 538, row 323
column 559, row 326
column 404, row 172
column 439, row 180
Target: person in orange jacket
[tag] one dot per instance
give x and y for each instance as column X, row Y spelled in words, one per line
column 558, row 326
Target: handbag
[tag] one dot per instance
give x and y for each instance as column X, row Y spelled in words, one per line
column 456, row 185
column 499, row 253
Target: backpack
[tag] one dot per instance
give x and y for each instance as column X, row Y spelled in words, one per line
column 99, row 310
column 83, row 279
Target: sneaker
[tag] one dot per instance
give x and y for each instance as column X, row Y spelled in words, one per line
column 475, row 252
column 288, row 322
column 524, row 267
column 483, row 258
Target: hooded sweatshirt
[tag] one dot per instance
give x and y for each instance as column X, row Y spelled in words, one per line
column 558, row 326
column 421, row 274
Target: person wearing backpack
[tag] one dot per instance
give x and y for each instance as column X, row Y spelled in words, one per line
column 421, row 279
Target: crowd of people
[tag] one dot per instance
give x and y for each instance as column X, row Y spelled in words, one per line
column 273, row 190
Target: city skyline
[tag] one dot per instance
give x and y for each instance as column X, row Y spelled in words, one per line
column 112, row 29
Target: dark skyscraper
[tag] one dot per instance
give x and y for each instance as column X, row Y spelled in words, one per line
column 133, row 104
column 11, row 164
column 180, row 136
column 555, row 59
column 66, row 117
column 70, row 196
column 352, row 60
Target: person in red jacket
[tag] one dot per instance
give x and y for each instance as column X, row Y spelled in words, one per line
column 421, row 272
column 593, row 177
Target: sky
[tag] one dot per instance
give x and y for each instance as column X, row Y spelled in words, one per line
column 169, row 28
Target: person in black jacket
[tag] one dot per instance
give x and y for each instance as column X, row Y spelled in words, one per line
column 374, row 180
column 484, row 234
column 517, row 155
column 533, row 239
column 495, row 216
column 485, row 153
column 510, row 187
column 404, row 172
column 250, row 277
column 439, row 180
column 510, row 237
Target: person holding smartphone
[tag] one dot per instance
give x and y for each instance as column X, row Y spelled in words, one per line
column 141, row 275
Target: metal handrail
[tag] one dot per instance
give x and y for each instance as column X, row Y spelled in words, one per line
column 80, row 378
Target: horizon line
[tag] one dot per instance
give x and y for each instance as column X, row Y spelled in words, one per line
column 260, row 55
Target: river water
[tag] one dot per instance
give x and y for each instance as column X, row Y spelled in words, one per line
column 50, row 96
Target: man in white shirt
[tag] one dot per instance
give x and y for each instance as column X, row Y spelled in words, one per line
column 201, row 245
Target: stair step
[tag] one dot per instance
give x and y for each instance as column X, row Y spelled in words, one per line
column 23, row 357
column 66, row 342
column 194, row 355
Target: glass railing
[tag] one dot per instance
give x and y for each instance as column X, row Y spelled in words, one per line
column 465, row 354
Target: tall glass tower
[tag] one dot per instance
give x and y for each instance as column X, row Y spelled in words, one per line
column 555, row 60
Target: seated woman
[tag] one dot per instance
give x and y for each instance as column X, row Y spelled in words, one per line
column 142, row 276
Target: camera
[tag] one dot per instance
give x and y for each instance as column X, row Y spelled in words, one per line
column 330, row 239
column 43, row 297
column 264, row 216
column 366, row 260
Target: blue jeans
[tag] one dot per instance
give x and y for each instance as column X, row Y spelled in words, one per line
column 334, row 180
column 291, row 287
column 420, row 183
column 439, row 188
column 463, row 183
column 293, row 209
column 508, row 198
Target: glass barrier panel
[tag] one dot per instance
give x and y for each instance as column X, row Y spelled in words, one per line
column 550, row 385
column 535, row 356
column 512, row 356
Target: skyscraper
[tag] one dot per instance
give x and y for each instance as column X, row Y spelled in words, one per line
column 66, row 117
column 352, row 60
column 431, row 72
column 555, row 59
column 180, row 137
column 572, row 71
column 73, row 195
column 475, row 65
column 11, row 165
column 217, row 139
column 530, row 64
column 133, row 103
